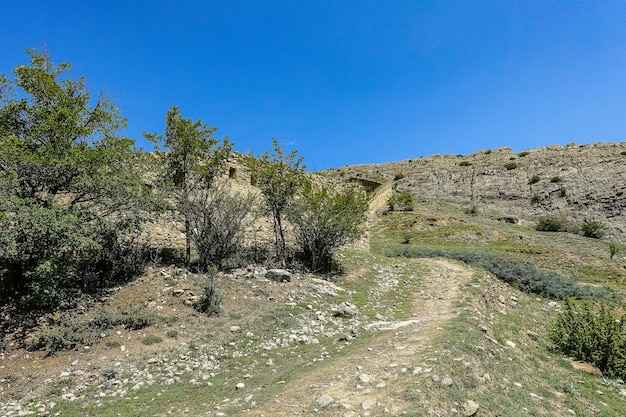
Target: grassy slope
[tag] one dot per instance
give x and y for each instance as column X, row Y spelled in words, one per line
column 528, row 379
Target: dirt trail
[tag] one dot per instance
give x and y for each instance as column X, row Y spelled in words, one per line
column 365, row 380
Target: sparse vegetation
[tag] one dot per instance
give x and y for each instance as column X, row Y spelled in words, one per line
column 465, row 163
column 401, row 201
column 534, row 179
column 398, row 176
column 523, row 154
column 613, row 250
column 555, row 179
column 211, row 299
column 151, row 339
column 510, row 165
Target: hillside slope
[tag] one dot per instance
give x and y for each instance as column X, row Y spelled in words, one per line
column 572, row 182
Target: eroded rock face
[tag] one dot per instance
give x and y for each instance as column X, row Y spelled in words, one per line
column 574, row 182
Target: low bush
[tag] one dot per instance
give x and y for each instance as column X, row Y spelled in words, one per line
column 151, row 339
column 593, row 334
column 70, row 334
column 525, row 276
column 523, row 154
column 401, row 201
column 555, row 179
column 592, row 228
column 211, row 299
column 534, row 179
column 550, row 224
column 465, row 163
column 511, row 165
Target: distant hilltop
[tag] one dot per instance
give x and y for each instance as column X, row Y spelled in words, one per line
column 571, row 182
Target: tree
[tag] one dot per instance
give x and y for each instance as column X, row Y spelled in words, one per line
column 71, row 194
column 324, row 219
column 279, row 176
column 193, row 161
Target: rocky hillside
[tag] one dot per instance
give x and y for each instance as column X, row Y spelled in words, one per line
column 571, row 182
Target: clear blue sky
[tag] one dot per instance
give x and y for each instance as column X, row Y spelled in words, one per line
column 346, row 82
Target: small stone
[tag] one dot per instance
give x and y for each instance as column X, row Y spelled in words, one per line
column 365, row 379
column 446, row 382
column 510, row 344
column 324, row 400
column 470, row 408
column 368, row 404
column 240, row 385
column 235, row 329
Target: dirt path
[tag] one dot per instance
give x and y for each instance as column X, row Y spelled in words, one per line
column 369, row 380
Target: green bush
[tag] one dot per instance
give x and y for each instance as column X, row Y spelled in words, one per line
column 613, row 250
column 70, row 334
column 324, row 220
column 523, row 154
column 465, row 163
column 534, row 179
column 592, row 334
column 210, row 301
column 401, row 201
column 526, row 276
column 511, row 165
column 151, row 339
column 550, row 224
column 555, row 179
column 398, row 176
column 593, row 229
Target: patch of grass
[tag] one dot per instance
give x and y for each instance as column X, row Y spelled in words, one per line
column 534, row 179
column 172, row 334
column 151, row 339
column 112, row 344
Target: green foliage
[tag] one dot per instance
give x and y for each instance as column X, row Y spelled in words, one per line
column 324, row 219
column 70, row 334
column 471, row 210
column 523, row 154
column 465, row 163
column 151, row 339
column 592, row 334
column 534, row 179
column 510, row 165
column 279, row 177
column 550, row 224
column 555, row 179
column 398, row 176
column 218, row 224
column 211, row 299
column 71, row 194
column 623, row 153
column 593, row 229
column 193, row 160
column 401, row 201
column 525, row 276
column 613, row 250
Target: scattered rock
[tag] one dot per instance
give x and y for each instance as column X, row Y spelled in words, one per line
column 446, row 382
column 470, row 408
column 278, row 275
column 346, row 309
column 587, row 367
column 324, row 400
column 369, row 404
column 240, row 385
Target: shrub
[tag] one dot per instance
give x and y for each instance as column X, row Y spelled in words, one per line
column 555, row 179
column 465, row 163
column 398, row 176
column 526, row 276
column 534, row 179
column 70, row 334
column 401, row 201
column 593, row 229
column 623, row 153
column 613, row 250
column 550, row 224
column 592, row 334
column 218, row 223
column 471, row 210
column 324, row 220
column 523, row 154
column 210, row 301
column 511, row 165
column 151, row 339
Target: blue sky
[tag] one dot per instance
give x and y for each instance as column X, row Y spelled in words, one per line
column 346, row 82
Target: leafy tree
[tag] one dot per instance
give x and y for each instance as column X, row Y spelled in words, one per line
column 279, row 176
column 70, row 189
column 193, row 160
column 324, row 219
